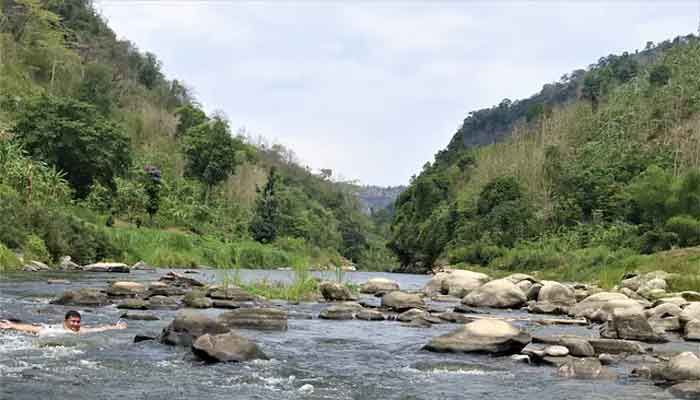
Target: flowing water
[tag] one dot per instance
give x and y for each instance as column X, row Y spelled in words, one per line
column 314, row 359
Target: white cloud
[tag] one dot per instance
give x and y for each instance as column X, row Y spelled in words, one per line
column 373, row 90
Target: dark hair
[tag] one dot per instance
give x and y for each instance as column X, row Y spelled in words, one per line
column 71, row 314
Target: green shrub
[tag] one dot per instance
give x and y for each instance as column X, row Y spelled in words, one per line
column 657, row 240
column 686, row 228
column 476, row 253
column 35, row 249
column 255, row 255
column 8, row 259
column 529, row 259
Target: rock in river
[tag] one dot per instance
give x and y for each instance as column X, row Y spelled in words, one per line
column 187, row 326
column 227, row 347
column 402, row 301
column 482, row 336
column 334, row 291
column 500, row 293
column 86, row 297
column 262, row 318
column 379, row 285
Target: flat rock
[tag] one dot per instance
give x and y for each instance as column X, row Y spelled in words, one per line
column 163, row 303
column 261, row 318
column 106, row 267
column 139, row 316
column 370, row 315
column 631, row 324
column 164, row 289
column 176, row 279
column 483, row 336
column 227, row 347
column 87, row 297
column 338, row 312
column 233, row 293
column 228, row 304
column 616, row 346
column 686, row 390
column 125, row 288
column 379, row 285
column 58, row 282
column 682, row 367
column 196, row 299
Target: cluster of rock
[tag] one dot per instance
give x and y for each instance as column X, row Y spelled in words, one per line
column 66, row 264
column 214, row 340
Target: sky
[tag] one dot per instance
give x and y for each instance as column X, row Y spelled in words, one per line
column 372, row 90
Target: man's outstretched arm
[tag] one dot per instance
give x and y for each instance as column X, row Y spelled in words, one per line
column 118, row 325
column 5, row 324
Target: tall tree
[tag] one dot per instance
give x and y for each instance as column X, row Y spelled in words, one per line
column 267, row 218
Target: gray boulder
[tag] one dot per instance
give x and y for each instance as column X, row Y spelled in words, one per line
column 379, row 285
column 176, row 279
column 133, row 304
column 500, row 293
column 690, row 312
column 460, row 283
column 334, row 291
column 686, row 390
column 338, row 312
column 164, row 289
column 125, row 289
column 107, row 267
column 691, row 331
column 86, row 297
column 482, row 336
column 261, row 318
column 163, row 303
column 631, row 324
column 585, row 368
column 232, row 293
column 226, row 347
column 187, row 326
column 682, row 367
column 599, row 307
column 196, row 299
column 556, row 293
column 65, row 263
column 616, row 346
column 401, row 301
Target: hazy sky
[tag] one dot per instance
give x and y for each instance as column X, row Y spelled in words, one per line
column 373, row 90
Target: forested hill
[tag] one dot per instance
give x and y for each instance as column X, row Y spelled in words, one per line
column 103, row 158
column 593, row 171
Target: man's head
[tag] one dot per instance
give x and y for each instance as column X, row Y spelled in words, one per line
column 72, row 321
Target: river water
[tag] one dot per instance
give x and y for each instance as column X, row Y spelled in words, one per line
column 314, row 359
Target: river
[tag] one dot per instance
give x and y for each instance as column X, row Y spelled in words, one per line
column 314, row 359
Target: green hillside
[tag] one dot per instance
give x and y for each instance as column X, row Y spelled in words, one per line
column 103, row 158
column 585, row 177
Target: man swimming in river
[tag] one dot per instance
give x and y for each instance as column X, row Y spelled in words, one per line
column 71, row 325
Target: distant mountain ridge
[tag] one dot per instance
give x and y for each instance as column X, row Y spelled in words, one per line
column 375, row 198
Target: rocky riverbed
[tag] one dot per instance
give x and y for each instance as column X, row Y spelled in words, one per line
column 455, row 335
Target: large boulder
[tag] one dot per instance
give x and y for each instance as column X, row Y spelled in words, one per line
column 690, row 312
column 187, row 326
column 682, row 367
column 106, row 267
column 226, row 347
column 635, row 282
column 577, row 346
column 125, row 288
column 133, row 304
column 482, row 336
column 631, row 324
column 686, row 390
column 232, row 293
column 35, row 266
column 379, row 285
column 599, row 307
column 401, row 301
column 434, row 285
column 85, row 297
column 691, row 331
column 410, row 315
column 261, row 318
column 335, row 291
column 500, row 293
column 556, row 293
column 460, row 283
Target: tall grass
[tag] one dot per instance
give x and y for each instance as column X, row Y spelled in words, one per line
column 8, row 260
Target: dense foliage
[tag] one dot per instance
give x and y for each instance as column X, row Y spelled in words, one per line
column 102, row 157
column 604, row 161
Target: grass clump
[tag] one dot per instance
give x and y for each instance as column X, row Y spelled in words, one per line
column 34, row 249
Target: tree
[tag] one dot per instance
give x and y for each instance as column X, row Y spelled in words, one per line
column 189, row 116
column 266, row 220
column 97, row 87
column 153, row 185
column 210, row 152
column 76, row 139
